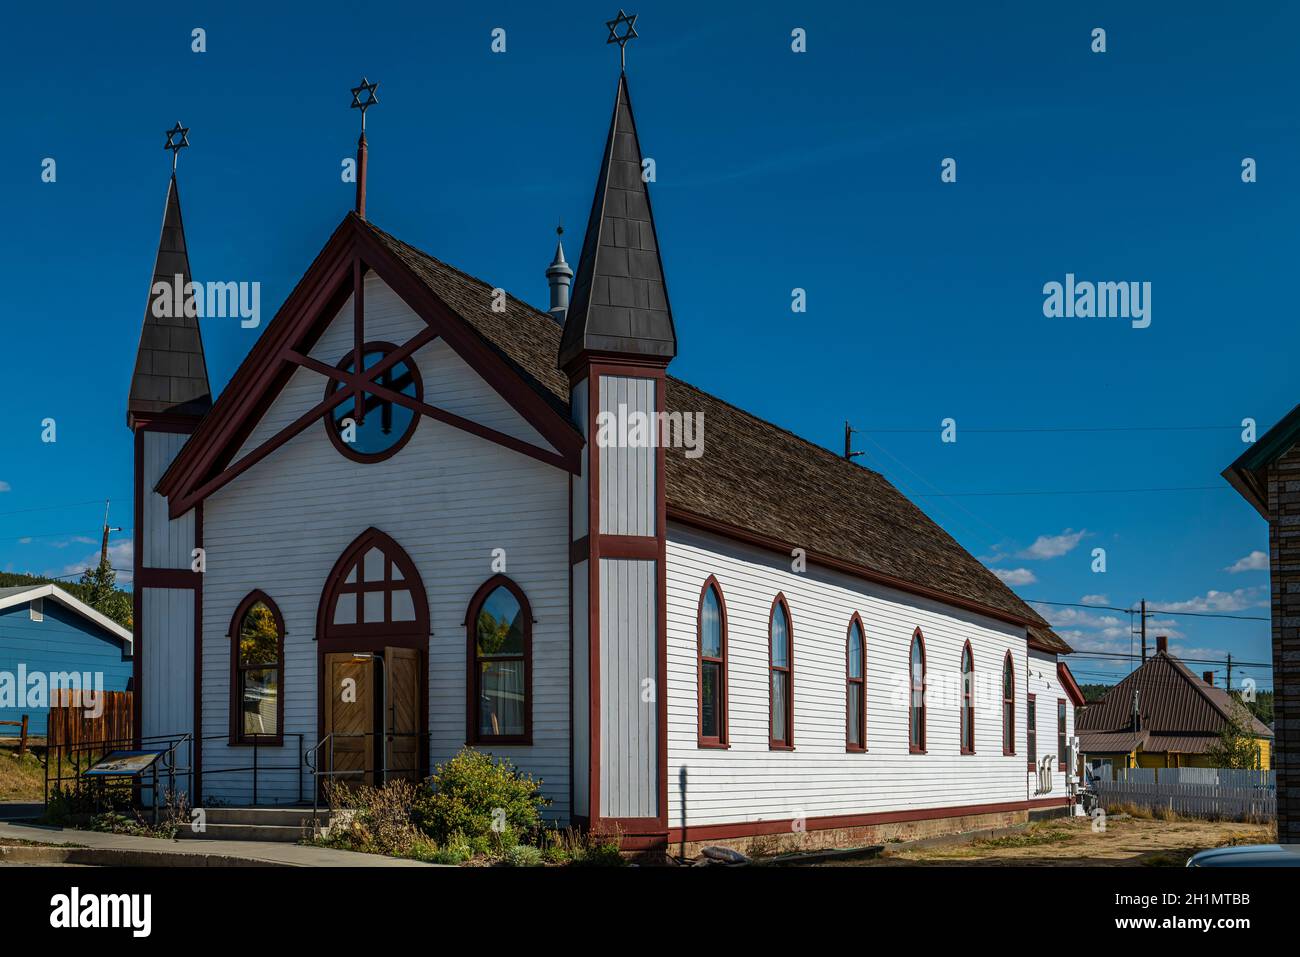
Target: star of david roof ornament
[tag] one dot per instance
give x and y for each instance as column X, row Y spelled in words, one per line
column 622, row 38
column 364, row 97
column 178, row 138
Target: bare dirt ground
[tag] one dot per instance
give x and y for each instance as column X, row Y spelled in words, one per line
column 1126, row 842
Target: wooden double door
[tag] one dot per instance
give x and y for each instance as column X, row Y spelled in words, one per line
column 372, row 712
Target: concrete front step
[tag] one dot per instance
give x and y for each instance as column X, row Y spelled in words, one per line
column 274, row 824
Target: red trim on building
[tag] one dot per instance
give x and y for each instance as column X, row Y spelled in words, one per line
column 858, row 571
column 720, row 739
column 787, row 743
column 1031, row 730
column 237, row 737
column 1070, row 685
column 967, row 700
column 912, row 688
column 1008, row 722
column 473, row 673
column 703, row 832
column 849, row 680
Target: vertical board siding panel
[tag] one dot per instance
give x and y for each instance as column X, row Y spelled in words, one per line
column 167, row 543
column 448, row 498
column 629, row 751
column 581, row 692
column 748, row 781
column 580, row 496
column 627, row 474
column 168, row 688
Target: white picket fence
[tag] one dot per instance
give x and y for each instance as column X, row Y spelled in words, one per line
column 1194, row 792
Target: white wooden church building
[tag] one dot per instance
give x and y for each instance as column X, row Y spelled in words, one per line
column 438, row 545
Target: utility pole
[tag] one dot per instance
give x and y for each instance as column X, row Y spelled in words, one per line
column 103, row 548
column 849, row 454
column 1229, row 672
column 1144, row 631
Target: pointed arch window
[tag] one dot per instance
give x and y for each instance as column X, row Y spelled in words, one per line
column 916, row 702
column 500, row 680
column 374, row 591
column 257, row 672
column 967, row 700
column 855, row 687
column 1008, row 706
column 712, row 653
column 780, row 649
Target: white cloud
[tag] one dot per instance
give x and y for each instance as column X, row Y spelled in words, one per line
column 1235, row 600
column 1054, row 546
column 120, row 556
column 1254, row 562
column 1015, row 576
column 5, row 487
column 24, row 541
column 1094, row 600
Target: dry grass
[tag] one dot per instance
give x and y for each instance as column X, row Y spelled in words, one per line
column 21, row 779
column 1126, row 842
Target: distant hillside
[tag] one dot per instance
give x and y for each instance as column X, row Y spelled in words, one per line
column 115, row 604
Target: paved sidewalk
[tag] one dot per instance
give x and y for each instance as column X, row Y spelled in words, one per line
column 127, row 851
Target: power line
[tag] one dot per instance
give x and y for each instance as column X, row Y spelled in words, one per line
column 1121, row 656
column 1084, row 491
column 1067, row 429
column 1150, row 611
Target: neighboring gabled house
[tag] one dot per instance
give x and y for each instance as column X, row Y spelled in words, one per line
column 1163, row 716
column 456, row 534
column 49, row 639
column 1267, row 475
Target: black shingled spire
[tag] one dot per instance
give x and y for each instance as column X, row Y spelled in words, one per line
column 620, row 302
column 171, row 376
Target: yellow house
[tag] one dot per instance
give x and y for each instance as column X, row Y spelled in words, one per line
column 1163, row 716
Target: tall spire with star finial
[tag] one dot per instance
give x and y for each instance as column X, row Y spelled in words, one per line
column 171, row 375
column 620, row 302
column 363, row 98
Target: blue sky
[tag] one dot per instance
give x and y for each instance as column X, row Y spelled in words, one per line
column 775, row 170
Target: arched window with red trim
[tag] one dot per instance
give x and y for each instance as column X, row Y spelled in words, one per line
column 500, row 655
column 916, row 702
column 711, row 649
column 374, row 591
column 257, row 672
column 967, row 700
column 1008, row 706
column 855, row 687
column 780, row 649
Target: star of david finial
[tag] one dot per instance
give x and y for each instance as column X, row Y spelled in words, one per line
column 622, row 38
column 363, row 98
column 178, row 138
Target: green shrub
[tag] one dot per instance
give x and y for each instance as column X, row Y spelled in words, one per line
column 522, row 855
column 581, row 848
column 473, row 792
column 376, row 820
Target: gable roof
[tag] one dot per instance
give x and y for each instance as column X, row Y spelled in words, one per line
column 1248, row 474
column 21, row 594
column 171, row 375
column 755, row 478
column 620, row 301
column 1173, row 702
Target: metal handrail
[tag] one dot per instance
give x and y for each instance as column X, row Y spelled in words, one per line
column 312, row 758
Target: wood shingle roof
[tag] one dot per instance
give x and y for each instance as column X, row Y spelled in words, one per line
column 753, row 475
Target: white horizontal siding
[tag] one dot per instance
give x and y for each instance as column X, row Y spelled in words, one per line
column 448, row 498
column 749, row 782
column 1044, row 682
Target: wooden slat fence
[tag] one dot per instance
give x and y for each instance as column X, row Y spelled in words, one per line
column 1195, row 792
column 71, row 728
